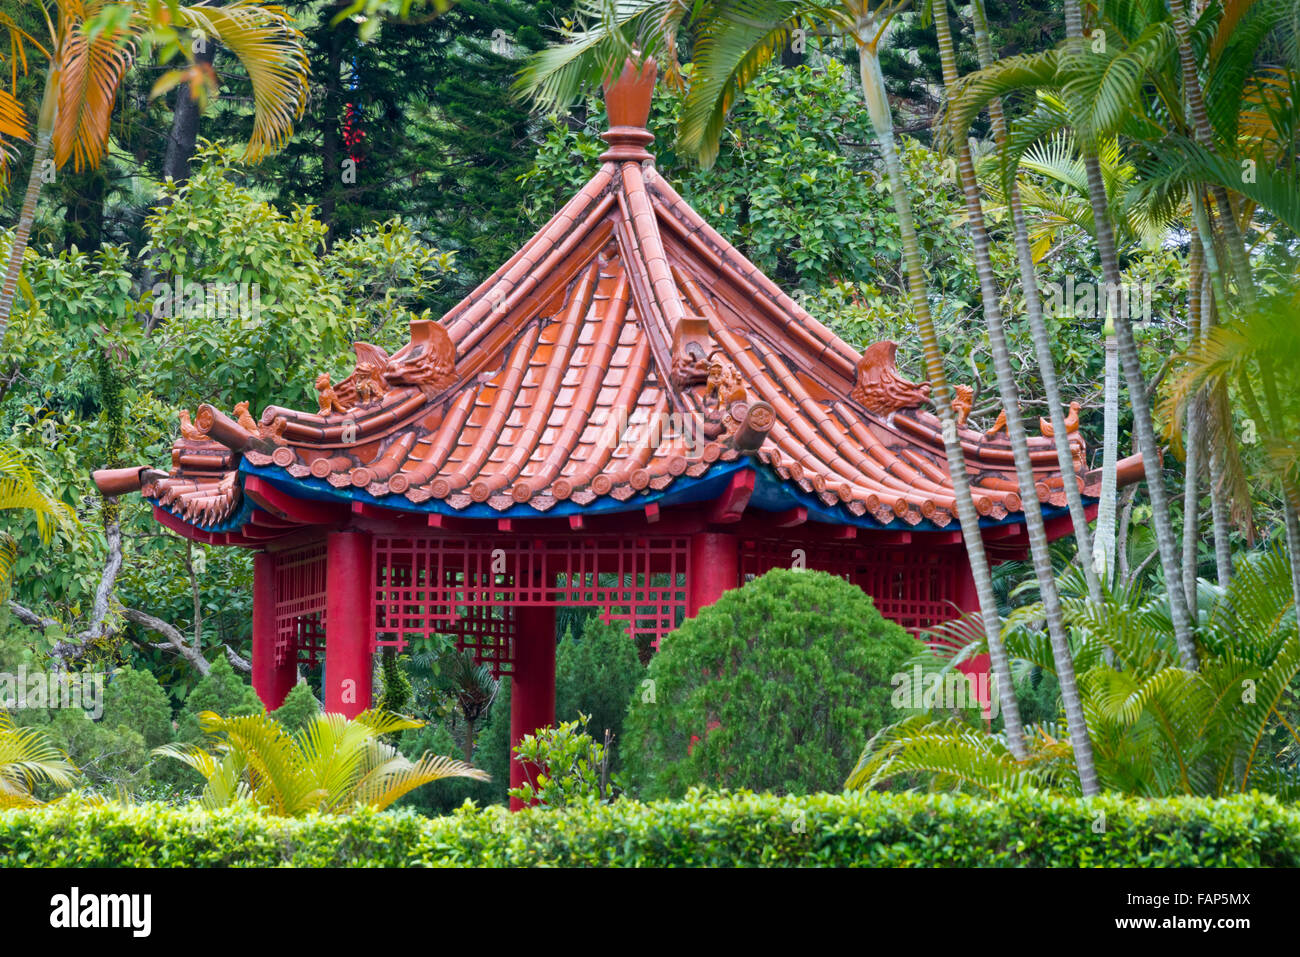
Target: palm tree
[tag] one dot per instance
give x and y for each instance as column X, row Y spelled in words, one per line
column 20, row 490
column 1034, row 314
column 27, row 760
column 1126, row 345
column 1039, row 552
column 1158, row 729
column 1257, row 354
column 1056, row 160
column 90, row 46
column 331, row 766
column 1101, row 91
column 472, row 687
column 733, row 41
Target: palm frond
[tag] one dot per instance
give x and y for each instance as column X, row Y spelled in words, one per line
column 94, row 57
column 609, row 32
column 270, row 48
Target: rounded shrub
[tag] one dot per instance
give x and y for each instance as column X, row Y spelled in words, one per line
column 775, row 687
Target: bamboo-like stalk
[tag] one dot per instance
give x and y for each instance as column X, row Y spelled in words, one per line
column 1040, row 554
column 35, row 179
column 1037, row 325
column 873, row 91
column 1131, row 364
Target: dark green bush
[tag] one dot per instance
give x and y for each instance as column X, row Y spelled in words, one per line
column 1028, row 829
column 774, row 687
column 113, row 751
column 300, row 706
column 596, row 673
column 220, row 690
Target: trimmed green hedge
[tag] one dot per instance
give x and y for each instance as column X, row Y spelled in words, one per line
column 1029, row 829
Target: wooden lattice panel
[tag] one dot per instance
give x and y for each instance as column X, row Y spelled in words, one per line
column 909, row 586
column 300, row 604
column 427, row 586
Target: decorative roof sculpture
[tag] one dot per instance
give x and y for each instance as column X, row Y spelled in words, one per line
column 627, row 354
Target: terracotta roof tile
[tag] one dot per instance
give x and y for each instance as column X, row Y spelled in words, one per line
column 570, row 373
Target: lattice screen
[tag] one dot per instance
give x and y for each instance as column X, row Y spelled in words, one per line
column 300, row 604
column 909, row 586
column 427, row 586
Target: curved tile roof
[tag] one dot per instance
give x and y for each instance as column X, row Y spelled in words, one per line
column 626, row 347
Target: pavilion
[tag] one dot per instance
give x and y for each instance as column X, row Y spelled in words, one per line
column 626, row 415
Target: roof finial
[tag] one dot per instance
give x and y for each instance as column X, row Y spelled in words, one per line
column 627, row 102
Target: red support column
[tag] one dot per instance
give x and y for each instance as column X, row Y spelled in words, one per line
column 967, row 599
column 349, row 623
column 272, row 680
column 715, row 568
column 532, row 683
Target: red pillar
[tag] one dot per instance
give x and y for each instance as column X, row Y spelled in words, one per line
column 967, row 599
column 532, row 683
column 715, row 568
column 349, row 623
column 272, row 680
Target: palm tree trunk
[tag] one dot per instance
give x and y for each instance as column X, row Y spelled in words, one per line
column 1213, row 300
column 1108, row 505
column 1037, row 326
column 23, row 231
column 1192, row 436
column 1204, row 135
column 1033, row 513
column 873, row 91
column 1131, row 364
column 1290, row 494
column 1291, row 514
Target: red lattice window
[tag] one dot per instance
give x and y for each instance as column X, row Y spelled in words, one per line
column 300, row 604
column 467, row 589
column 909, row 586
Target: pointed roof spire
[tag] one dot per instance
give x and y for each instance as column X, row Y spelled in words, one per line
column 627, row 102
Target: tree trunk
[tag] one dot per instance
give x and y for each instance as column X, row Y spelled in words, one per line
column 23, row 231
column 1204, row 135
column 331, row 170
column 469, row 741
column 1038, row 327
column 873, row 91
column 1104, row 554
column 1196, row 410
column 1033, row 513
column 185, row 123
column 1131, row 365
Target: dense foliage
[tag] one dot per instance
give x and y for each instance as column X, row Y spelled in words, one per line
column 771, row 688
column 719, row 830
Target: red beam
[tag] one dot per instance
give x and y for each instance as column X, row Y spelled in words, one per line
column 652, row 513
column 264, row 519
column 888, row 538
column 577, row 523
column 941, row 538
column 1059, row 526
column 790, row 517
column 258, row 534
column 1000, row 532
column 731, row 504
column 302, row 511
